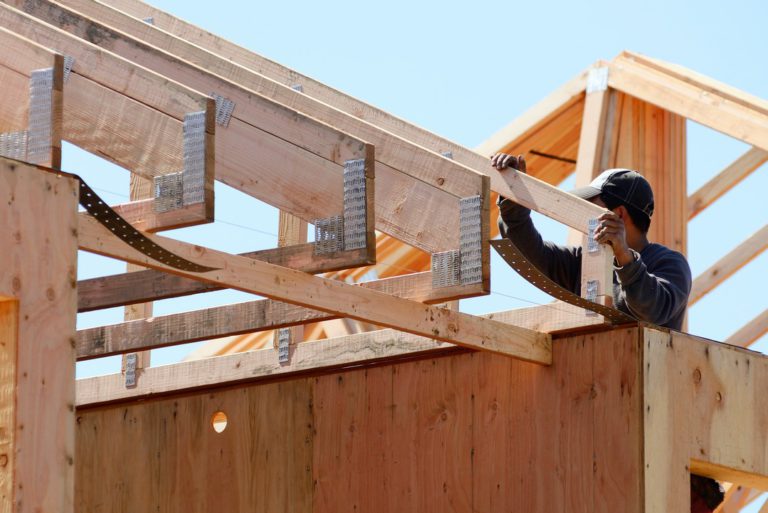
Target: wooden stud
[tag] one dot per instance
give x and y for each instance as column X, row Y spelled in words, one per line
column 724, row 268
column 37, row 327
column 725, row 180
column 334, row 297
column 750, row 332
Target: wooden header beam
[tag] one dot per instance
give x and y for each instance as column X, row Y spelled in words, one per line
column 330, row 296
column 312, row 355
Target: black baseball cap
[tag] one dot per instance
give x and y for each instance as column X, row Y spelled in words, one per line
column 627, row 186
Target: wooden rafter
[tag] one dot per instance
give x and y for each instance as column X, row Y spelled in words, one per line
column 750, row 332
column 725, row 180
column 335, row 297
column 711, row 106
column 721, row 270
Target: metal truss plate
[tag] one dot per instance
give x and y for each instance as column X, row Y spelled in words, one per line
column 597, row 80
column 470, row 239
column 446, row 269
column 168, row 192
column 40, row 116
column 514, row 257
column 149, row 20
column 447, row 154
column 69, row 62
column 329, row 235
column 224, row 109
column 283, row 344
column 13, row 145
column 131, row 362
column 592, row 245
column 297, row 87
column 193, row 182
column 355, row 207
column 591, row 295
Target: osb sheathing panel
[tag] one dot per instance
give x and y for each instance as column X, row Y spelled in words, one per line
column 464, row 432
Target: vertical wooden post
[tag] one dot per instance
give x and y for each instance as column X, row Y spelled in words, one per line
column 596, row 265
column 141, row 188
column 38, row 234
column 291, row 230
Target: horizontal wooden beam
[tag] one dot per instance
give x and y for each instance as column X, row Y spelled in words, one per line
column 355, row 350
column 721, row 270
column 281, row 152
column 331, row 296
column 725, row 180
column 750, row 332
column 705, row 106
column 240, row 318
column 184, row 31
column 150, row 285
column 399, row 154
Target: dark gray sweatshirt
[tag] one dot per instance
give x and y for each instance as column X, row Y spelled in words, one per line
column 654, row 288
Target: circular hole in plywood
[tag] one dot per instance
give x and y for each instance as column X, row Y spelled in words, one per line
column 219, row 421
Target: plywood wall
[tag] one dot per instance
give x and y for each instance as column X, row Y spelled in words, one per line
column 463, row 432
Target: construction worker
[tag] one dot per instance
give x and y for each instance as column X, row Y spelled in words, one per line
column 651, row 281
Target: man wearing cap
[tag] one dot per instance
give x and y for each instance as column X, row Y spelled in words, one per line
column 651, row 281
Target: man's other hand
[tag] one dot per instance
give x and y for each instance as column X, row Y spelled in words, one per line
column 502, row 161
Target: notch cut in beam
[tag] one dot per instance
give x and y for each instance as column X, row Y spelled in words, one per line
column 334, row 297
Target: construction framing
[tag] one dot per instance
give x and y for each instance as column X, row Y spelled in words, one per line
column 426, row 408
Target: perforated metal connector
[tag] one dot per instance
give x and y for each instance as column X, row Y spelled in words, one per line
column 329, row 235
column 131, row 362
column 150, row 20
column 69, row 63
column 297, row 87
column 224, row 109
column 591, row 294
column 446, row 268
column 283, row 345
column 193, row 183
column 470, row 239
column 14, row 145
column 592, row 245
column 355, row 207
column 40, row 112
column 447, row 154
column 168, row 192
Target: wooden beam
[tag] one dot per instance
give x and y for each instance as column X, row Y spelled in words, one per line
column 259, row 141
column 20, row 58
column 399, row 154
column 721, row 270
column 240, row 318
column 750, row 332
column 37, row 329
column 725, row 180
column 351, row 350
column 150, row 285
column 538, row 116
column 331, row 296
column 596, row 128
column 705, row 106
column 246, row 58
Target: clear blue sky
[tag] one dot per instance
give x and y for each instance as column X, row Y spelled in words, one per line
column 465, row 71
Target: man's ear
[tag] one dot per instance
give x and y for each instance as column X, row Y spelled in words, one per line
column 623, row 213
